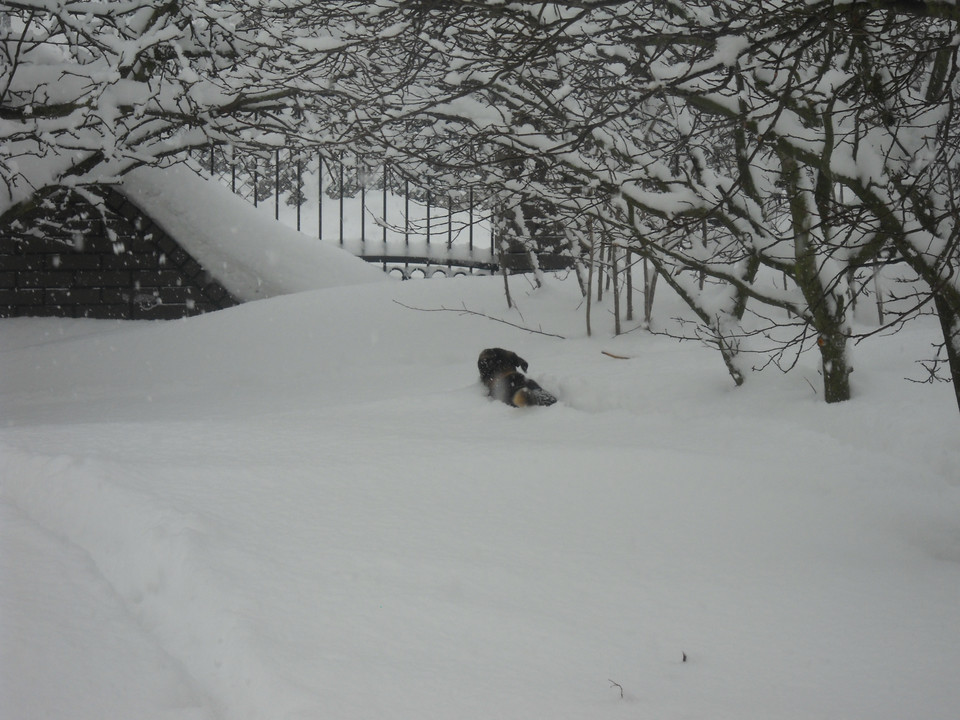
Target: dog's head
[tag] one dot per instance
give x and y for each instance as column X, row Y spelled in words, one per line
column 494, row 362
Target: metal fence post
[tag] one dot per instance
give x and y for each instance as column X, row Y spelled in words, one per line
column 428, row 217
column 406, row 212
column 276, row 184
column 493, row 233
column 319, row 196
column 362, row 181
column 384, row 218
column 470, row 220
column 299, row 188
column 449, row 221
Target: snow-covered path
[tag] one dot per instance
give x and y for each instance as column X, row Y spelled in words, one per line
column 304, row 507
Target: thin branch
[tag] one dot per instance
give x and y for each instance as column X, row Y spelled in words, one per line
column 465, row 311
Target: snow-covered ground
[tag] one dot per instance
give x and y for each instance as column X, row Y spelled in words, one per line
column 305, row 507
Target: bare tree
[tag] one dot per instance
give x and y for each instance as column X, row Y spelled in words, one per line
column 757, row 155
column 808, row 138
column 90, row 90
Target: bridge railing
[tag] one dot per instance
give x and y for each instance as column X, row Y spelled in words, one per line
column 372, row 211
column 364, row 206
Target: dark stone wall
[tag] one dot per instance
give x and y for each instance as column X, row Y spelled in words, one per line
column 74, row 259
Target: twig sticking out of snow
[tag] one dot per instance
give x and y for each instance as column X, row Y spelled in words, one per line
column 617, row 685
column 465, row 311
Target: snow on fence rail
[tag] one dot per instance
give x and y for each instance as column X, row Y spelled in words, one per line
column 371, row 211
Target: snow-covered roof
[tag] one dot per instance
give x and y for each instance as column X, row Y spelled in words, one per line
column 243, row 248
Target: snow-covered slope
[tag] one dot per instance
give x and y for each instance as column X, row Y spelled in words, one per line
column 305, row 507
column 245, row 249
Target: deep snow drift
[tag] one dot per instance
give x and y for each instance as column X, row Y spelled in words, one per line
column 304, row 507
column 246, row 250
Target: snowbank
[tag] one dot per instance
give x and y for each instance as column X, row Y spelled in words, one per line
column 306, row 508
column 245, row 249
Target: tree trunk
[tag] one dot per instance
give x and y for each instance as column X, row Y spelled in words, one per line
column 836, row 368
column 727, row 344
column 598, row 258
column 950, row 324
column 503, row 246
column 614, row 273
column 593, row 245
column 649, row 288
column 827, row 304
column 506, row 281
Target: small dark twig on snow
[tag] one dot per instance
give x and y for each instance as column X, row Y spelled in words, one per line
column 617, row 685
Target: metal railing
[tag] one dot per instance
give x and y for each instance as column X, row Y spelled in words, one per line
column 368, row 208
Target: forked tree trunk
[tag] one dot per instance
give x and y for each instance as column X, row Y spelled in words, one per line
column 827, row 305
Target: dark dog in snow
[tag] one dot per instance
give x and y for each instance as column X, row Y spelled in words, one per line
column 498, row 371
